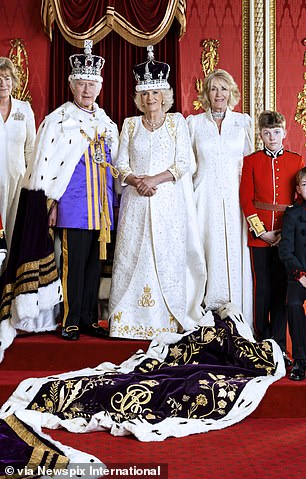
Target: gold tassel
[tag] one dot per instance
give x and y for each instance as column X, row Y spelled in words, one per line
column 105, row 223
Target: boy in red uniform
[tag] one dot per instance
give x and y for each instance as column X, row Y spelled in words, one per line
column 267, row 188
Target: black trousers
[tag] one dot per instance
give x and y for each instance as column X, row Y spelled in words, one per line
column 270, row 287
column 296, row 295
column 80, row 275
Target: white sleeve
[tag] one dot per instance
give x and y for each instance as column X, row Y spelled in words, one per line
column 122, row 162
column 182, row 149
column 191, row 128
column 30, row 134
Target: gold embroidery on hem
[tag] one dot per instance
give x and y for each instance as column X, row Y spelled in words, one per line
column 117, row 316
column 140, row 332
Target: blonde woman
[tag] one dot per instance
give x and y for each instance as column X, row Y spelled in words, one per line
column 220, row 138
column 17, row 136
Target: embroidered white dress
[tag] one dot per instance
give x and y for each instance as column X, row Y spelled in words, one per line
column 222, row 226
column 149, row 292
column 17, row 136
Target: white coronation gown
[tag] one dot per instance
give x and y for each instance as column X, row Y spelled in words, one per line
column 17, row 136
column 149, row 292
column 223, row 229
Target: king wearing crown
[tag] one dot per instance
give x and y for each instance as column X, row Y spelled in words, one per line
column 69, row 187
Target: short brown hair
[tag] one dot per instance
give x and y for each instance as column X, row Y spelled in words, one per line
column 271, row 119
column 300, row 174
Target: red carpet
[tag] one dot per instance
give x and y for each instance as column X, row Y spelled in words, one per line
column 268, row 444
column 43, row 354
column 252, row 449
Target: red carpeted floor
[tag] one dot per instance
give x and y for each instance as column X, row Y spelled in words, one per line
column 252, row 449
column 270, row 444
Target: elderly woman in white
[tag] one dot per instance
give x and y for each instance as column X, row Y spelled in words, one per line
column 220, row 139
column 153, row 282
column 17, row 136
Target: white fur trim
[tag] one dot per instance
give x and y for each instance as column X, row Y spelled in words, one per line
column 249, row 398
column 85, row 76
column 33, row 312
column 29, row 305
column 60, row 145
column 7, row 336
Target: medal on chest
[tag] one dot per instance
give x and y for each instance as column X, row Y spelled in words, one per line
column 97, row 146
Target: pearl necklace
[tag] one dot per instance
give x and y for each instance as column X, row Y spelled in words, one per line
column 156, row 125
column 218, row 115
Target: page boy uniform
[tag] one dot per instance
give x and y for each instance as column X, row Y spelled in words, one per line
column 292, row 251
column 267, row 188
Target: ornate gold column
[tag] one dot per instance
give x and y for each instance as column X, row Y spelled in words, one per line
column 259, row 59
column 300, row 115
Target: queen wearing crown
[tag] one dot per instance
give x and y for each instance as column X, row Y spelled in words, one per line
column 152, row 262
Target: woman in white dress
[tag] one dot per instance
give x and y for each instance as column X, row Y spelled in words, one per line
column 150, row 273
column 220, row 138
column 17, row 135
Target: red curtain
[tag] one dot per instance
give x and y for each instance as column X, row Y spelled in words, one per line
column 80, row 15
column 120, row 56
column 141, row 22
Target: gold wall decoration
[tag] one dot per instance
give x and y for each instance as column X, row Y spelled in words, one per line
column 300, row 115
column 209, row 61
column 19, row 57
column 258, row 58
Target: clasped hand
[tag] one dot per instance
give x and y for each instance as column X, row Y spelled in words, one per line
column 271, row 237
column 145, row 185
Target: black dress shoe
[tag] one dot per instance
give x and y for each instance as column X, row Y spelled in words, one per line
column 287, row 360
column 71, row 333
column 298, row 370
column 95, row 330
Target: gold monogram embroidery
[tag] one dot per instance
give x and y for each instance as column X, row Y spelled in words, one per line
column 137, row 395
column 145, row 299
column 117, row 316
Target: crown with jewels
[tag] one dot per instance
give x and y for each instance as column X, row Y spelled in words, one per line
column 86, row 66
column 151, row 75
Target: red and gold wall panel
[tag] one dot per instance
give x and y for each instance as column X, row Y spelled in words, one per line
column 21, row 19
column 221, row 20
column 290, row 31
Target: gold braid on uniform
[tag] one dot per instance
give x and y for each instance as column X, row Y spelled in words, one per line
column 257, row 227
